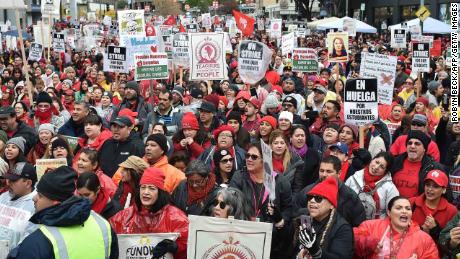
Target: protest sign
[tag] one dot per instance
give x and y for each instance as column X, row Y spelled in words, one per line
column 13, row 224
column 337, row 45
column 140, row 246
column 4, row 248
column 360, row 101
column 11, row 42
column 253, row 60
column 44, row 165
column 260, row 24
column 91, row 30
column 73, row 141
column 349, row 26
column 398, row 38
column 206, row 20
column 207, row 60
column 230, row 238
column 151, row 66
column 51, row 8
column 449, row 57
column 192, row 27
column 181, row 50
column 166, row 34
column 382, row 67
column 415, row 31
column 420, row 57
column 275, row 28
column 44, row 30
column 304, row 60
column 142, row 44
column 35, row 51
column 115, row 59
column 131, row 23
column 59, row 42
column 287, row 43
column 269, row 177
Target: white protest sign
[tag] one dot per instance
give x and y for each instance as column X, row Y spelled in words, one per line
column 11, row 42
column 140, row 246
column 35, row 51
column 192, row 27
column 269, row 178
column 107, row 20
column 13, row 223
column 59, row 42
column 415, row 30
column 260, row 24
column 181, row 50
column 382, row 67
column 360, row 101
column 206, row 20
column 208, row 236
column 166, row 33
column 91, row 30
column 50, row 8
column 207, row 60
column 142, row 44
column 349, row 25
column 304, row 60
column 275, row 28
column 44, row 30
column 115, row 59
column 253, row 60
column 420, row 57
column 398, row 38
column 287, row 43
column 131, row 23
column 151, row 66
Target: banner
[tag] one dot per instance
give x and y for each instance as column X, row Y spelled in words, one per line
column 35, row 51
column 11, row 42
column 59, row 42
column 360, row 101
column 420, row 57
column 253, row 60
column 287, row 43
column 13, row 224
column 151, row 66
column 275, row 28
column 207, row 60
column 140, row 246
column 349, row 26
column 44, row 30
column 304, row 60
column 337, row 46
column 206, row 20
column 398, row 38
column 383, row 67
column 115, row 60
column 131, row 23
column 210, row 237
column 143, row 45
column 181, row 50
column 50, row 8
column 44, row 165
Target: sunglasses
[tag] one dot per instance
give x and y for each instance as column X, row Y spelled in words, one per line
column 221, row 204
column 419, row 124
column 224, row 161
column 318, row 199
column 287, row 105
column 252, row 156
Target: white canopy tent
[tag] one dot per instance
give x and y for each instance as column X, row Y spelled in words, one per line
column 314, row 24
column 338, row 24
column 430, row 25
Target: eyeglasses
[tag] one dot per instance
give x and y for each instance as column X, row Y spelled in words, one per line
column 196, row 182
column 408, row 83
column 318, row 199
column 225, row 135
column 224, row 161
column 252, row 156
column 416, row 143
column 221, row 204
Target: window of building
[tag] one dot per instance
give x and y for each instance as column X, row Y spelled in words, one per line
column 383, row 14
column 408, row 11
column 444, row 13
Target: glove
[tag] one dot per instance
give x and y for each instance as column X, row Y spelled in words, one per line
column 165, row 246
column 307, row 239
column 276, row 216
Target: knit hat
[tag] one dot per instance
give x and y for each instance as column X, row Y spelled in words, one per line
column 271, row 101
column 59, row 142
column 20, row 142
column 196, row 93
column 328, row 189
column 254, row 102
column 108, row 94
column 221, row 128
column 420, row 135
column 334, row 126
column 68, row 81
column 128, row 113
column 439, row 177
column 423, row 100
column 44, row 97
column 47, row 126
column 136, row 163
column 189, row 121
column 433, row 85
column 154, row 176
column 160, row 139
column 234, row 115
column 291, row 100
column 58, row 184
column 22, row 170
column 286, row 115
column 217, row 156
column 420, row 118
column 270, row 120
column 178, row 90
column 212, row 98
column 133, row 85
column 3, row 136
column 353, row 128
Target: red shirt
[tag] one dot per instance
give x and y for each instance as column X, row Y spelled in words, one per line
column 278, row 165
column 406, row 180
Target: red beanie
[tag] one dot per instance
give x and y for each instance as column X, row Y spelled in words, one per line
column 189, row 121
column 277, row 88
column 154, row 176
column 255, row 102
column 221, row 128
column 328, row 189
column 212, row 98
column 224, row 100
column 423, row 100
column 271, row 120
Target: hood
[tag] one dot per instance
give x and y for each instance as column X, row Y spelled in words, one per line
column 105, row 135
column 71, row 212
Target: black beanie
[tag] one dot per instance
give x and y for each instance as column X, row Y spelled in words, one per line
column 234, row 115
column 59, row 143
column 58, row 184
column 420, row 135
column 44, row 97
column 217, row 156
column 133, row 85
column 361, row 158
column 161, row 140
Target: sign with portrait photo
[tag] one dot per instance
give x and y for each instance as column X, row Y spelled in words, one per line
column 337, row 45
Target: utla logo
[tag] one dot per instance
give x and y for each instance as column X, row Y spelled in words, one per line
column 243, row 22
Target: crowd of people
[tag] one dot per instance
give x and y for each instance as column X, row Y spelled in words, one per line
column 146, row 158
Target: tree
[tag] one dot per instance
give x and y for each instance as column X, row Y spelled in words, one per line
column 166, row 7
column 228, row 6
column 202, row 4
column 333, row 7
column 121, row 4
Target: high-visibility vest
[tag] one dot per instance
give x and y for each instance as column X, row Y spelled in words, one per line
column 93, row 239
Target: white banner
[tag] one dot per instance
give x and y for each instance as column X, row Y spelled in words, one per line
column 207, row 60
column 206, row 20
column 398, row 38
column 360, row 101
column 420, row 57
column 131, row 23
column 383, row 67
column 115, row 59
column 42, row 35
column 181, row 50
column 140, row 246
column 253, row 60
column 287, row 43
column 275, row 28
column 142, row 45
column 50, row 8
column 228, row 238
column 58, row 42
column 349, row 25
column 35, row 51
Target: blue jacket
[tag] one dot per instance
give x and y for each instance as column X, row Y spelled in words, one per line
column 73, row 211
column 70, row 128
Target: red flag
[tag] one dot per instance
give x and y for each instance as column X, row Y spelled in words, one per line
column 244, row 22
column 216, row 20
column 170, row 21
column 181, row 28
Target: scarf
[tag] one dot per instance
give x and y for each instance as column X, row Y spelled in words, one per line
column 299, row 151
column 198, row 196
column 278, row 165
column 369, row 185
column 101, row 201
column 46, row 115
column 40, row 149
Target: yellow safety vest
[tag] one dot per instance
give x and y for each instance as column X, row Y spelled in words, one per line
column 93, row 239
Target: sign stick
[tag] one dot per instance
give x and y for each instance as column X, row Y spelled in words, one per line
column 49, row 46
column 419, row 83
column 174, row 73
column 361, row 137
column 152, row 100
column 181, row 74
column 24, row 61
column 43, row 37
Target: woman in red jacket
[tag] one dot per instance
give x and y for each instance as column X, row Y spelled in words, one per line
column 152, row 213
column 191, row 138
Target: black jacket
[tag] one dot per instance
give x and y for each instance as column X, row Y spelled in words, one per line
column 295, row 172
column 349, row 206
column 113, row 152
column 444, row 139
column 70, row 128
column 112, row 208
column 180, row 196
column 29, row 134
column 310, row 171
column 143, row 108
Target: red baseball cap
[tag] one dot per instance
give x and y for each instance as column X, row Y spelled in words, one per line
column 439, row 177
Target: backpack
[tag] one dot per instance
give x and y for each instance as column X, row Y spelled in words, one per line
column 367, row 199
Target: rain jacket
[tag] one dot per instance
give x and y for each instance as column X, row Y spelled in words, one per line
column 369, row 234
column 169, row 219
column 173, row 176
